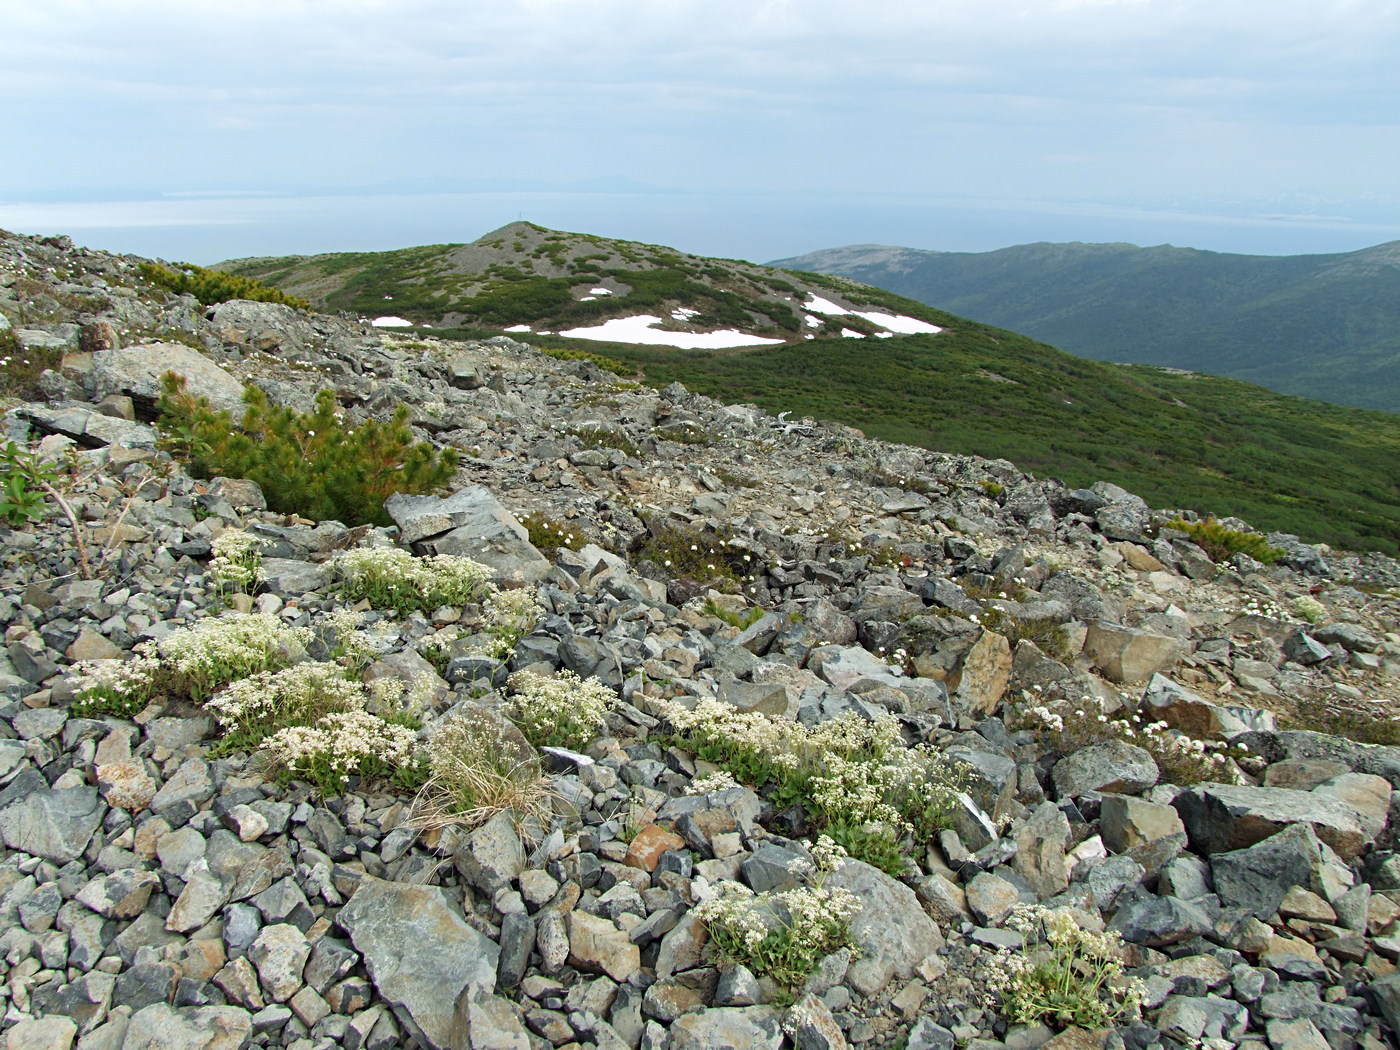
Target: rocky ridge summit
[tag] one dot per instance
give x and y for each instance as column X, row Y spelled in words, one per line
column 153, row 895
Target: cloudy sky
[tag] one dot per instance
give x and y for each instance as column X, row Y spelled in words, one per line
column 207, row 129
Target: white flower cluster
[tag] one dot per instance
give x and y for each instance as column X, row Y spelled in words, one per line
column 389, row 577
column 124, row 682
column 341, row 742
column 237, row 559
column 560, row 709
column 719, row 780
column 392, row 696
column 856, row 793
column 209, row 653
column 1067, row 973
column 302, row 692
column 510, row 615
column 783, row 934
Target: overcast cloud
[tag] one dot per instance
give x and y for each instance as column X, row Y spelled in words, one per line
column 203, row 130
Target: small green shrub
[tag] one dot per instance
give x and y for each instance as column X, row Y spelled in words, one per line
column 549, row 535
column 686, row 552
column 607, row 364
column 1220, row 542
column 392, row 578
column 310, row 463
column 23, row 477
column 742, row 620
column 598, row 437
column 20, row 367
column 215, row 286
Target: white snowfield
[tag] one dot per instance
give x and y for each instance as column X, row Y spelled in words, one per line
column 391, row 322
column 640, row 330
column 893, row 322
column 517, row 328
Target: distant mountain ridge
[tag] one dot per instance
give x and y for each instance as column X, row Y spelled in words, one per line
column 828, row 347
column 1320, row 326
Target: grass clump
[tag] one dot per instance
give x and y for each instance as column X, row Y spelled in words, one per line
column 307, row 463
column 479, row 765
column 20, row 366
column 783, row 935
column 1220, row 542
column 392, row 578
column 216, row 286
column 1065, row 976
column 560, row 710
column 1321, row 713
column 741, row 620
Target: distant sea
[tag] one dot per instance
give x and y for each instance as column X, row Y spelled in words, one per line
column 758, row 227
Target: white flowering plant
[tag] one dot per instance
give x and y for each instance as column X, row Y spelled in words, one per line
column 859, row 781
column 1067, row 975
column 237, row 561
column 559, row 710
column 1066, row 726
column 211, row 653
column 255, row 707
column 115, row 687
column 340, row 745
column 392, row 578
column 783, row 935
column 1309, row 609
column 508, row 616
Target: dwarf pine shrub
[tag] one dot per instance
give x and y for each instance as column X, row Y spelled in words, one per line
column 216, row 286
column 1219, row 541
column 307, row 463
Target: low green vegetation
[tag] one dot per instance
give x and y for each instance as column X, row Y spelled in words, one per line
column 216, row 286
column 20, row 366
column 313, row 464
column 1220, row 542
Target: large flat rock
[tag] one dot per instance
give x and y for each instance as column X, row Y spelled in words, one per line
column 1220, row 817
column 136, row 371
column 420, row 952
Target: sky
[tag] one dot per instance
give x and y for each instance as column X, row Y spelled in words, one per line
column 203, row 130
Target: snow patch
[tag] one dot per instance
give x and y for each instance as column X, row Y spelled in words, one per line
column 893, row 322
column 851, row 333
column 517, row 328
column 391, row 322
column 641, row 330
column 599, row 291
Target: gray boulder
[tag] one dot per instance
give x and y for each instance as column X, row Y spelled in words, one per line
column 136, row 372
column 470, row 523
column 1108, row 766
column 893, row 933
column 448, row 955
column 54, row 824
column 1221, row 817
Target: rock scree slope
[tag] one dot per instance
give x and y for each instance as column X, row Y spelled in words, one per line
column 1148, row 742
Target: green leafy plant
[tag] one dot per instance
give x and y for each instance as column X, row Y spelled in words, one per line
column 1066, row 975
column 311, row 463
column 1220, row 542
column 23, row 480
column 607, row 364
column 216, row 286
column 549, row 535
column 741, row 620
